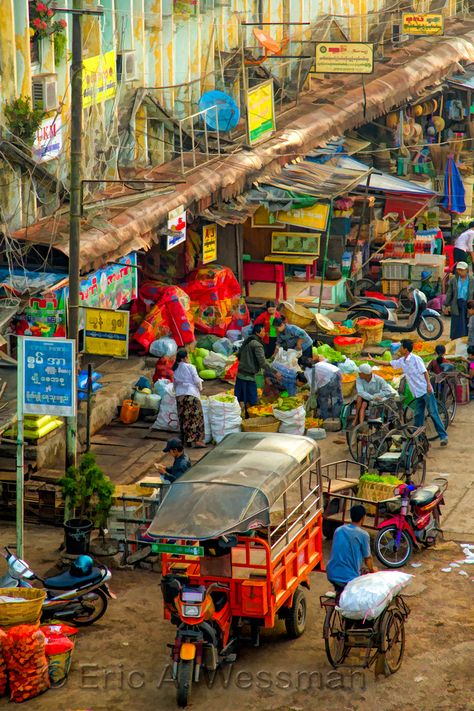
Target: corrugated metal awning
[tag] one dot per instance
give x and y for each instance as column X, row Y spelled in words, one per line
column 425, row 61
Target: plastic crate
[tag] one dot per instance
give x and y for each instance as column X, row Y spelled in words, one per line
column 392, row 287
column 436, row 270
column 395, row 269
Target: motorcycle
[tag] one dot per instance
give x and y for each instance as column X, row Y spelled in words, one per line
column 79, row 595
column 203, row 619
column 425, row 321
column 414, row 525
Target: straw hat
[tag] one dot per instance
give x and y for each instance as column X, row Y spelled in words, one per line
column 438, row 123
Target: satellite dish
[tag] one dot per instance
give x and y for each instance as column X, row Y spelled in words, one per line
column 228, row 113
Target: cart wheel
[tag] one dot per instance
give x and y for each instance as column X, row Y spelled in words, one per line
column 184, row 682
column 296, row 621
column 388, row 552
column 392, row 636
column 335, row 639
column 329, row 528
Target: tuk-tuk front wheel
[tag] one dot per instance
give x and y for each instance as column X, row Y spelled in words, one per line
column 184, row 682
column 295, row 621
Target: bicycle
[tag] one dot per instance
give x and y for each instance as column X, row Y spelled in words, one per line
column 364, row 439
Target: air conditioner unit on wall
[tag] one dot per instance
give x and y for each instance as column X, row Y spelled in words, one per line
column 126, row 65
column 44, row 91
column 397, row 36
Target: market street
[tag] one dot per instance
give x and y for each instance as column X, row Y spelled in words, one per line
column 121, row 662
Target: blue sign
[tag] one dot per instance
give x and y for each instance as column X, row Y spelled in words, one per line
column 49, row 376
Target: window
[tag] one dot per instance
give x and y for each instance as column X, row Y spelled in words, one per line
column 35, row 57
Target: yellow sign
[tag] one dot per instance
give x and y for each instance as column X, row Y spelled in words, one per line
column 99, row 79
column 260, row 112
column 315, row 217
column 106, row 332
column 344, row 58
column 422, row 23
column 209, row 243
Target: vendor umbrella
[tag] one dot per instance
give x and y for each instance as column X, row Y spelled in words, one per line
column 454, row 192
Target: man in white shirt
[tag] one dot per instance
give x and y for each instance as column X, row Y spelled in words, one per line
column 370, row 388
column 327, row 383
column 464, row 245
column 419, row 383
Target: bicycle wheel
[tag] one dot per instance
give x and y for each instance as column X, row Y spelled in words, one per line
column 409, row 416
column 447, row 396
column 335, row 638
column 392, row 635
column 364, row 444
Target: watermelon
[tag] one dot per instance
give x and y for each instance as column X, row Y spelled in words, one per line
column 208, row 374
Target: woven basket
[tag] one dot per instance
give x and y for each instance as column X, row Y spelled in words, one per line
column 297, row 315
column 374, row 491
column 348, row 345
column 261, row 424
column 21, row 613
column 348, row 386
column 372, row 333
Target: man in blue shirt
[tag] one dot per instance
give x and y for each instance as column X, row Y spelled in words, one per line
column 291, row 336
column 350, row 551
column 181, row 462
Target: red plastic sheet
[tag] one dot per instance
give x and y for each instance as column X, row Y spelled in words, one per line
column 169, row 316
column 216, row 300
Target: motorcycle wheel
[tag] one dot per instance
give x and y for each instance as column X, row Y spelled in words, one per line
column 184, row 682
column 385, row 547
column 431, row 330
column 94, row 609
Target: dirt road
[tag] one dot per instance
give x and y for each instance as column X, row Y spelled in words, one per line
column 121, row 664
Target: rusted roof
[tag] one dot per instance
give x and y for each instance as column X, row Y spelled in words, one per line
column 408, row 73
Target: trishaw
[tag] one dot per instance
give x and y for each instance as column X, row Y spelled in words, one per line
column 381, row 641
column 240, row 533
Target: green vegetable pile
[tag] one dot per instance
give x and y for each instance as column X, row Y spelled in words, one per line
column 380, row 479
column 287, row 403
column 329, row 353
column 223, row 398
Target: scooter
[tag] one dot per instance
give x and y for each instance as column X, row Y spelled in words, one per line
column 414, row 525
column 426, row 322
column 203, row 640
column 79, row 595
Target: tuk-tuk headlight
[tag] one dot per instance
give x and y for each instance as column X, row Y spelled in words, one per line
column 191, row 610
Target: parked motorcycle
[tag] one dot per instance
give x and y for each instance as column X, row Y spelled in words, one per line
column 415, row 523
column 79, row 595
column 203, row 619
column 425, row 321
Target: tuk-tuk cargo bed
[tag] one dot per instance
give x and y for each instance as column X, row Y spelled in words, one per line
column 336, row 485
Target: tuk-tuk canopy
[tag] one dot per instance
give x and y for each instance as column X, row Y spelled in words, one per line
column 232, row 488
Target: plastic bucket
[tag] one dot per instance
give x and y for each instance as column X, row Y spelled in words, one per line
column 77, row 536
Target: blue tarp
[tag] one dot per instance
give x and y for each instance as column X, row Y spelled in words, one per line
column 454, row 192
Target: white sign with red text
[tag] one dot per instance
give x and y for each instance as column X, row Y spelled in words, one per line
column 48, row 141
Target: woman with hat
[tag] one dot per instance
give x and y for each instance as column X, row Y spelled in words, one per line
column 460, row 290
column 427, row 287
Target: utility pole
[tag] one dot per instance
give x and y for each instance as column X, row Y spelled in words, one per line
column 75, row 206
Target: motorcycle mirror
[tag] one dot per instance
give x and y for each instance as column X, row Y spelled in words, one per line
column 227, row 541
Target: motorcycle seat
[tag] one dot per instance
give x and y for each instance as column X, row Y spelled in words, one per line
column 66, row 581
column 425, row 495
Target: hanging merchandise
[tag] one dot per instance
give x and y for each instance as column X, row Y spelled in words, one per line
column 169, row 316
column 216, row 300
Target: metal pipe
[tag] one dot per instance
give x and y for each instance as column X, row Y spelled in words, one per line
column 325, row 257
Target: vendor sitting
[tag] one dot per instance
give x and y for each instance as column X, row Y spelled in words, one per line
column 429, row 288
column 291, row 336
column 181, row 462
column 370, row 388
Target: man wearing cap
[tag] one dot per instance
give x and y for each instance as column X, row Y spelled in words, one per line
column 370, row 388
column 464, row 245
column 181, row 462
column 350, row 551
column 460, row 290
